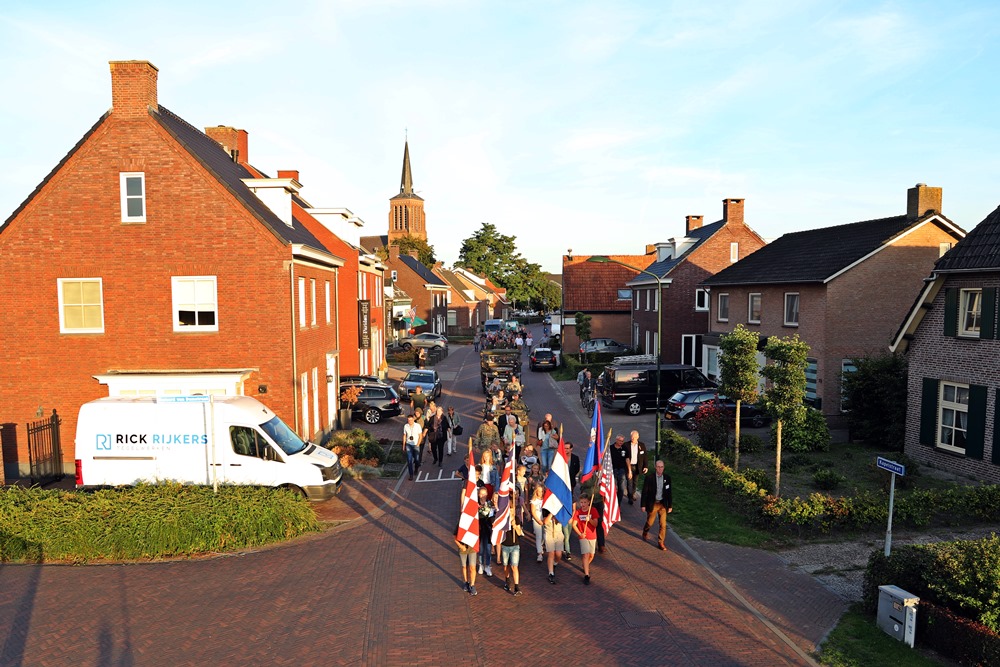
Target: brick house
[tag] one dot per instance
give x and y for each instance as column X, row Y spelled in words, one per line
column 428, row 292
column 842, row 289
column 599, row 290
column 950, row 339
column 493, row 298
column 466, row 310
column 682, row 264
column 156, row 263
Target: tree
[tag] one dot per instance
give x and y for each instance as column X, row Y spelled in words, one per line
column 875, row 399
column 582, row 326
column 489, row 253
column 551, row 296
column 786, row 375
column 738, row 374
column 425, row 251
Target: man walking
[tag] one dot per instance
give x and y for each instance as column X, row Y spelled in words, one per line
column 657, row 500
column 467, row 559
column 581, row 378
column 487, row 437
column 619, row 465
column 636, row 464
column 412, row 435
column 510, row 551
column 418, row 399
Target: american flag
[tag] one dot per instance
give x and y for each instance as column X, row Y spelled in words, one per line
column 501, row 524
column 468, row 523
column 612, row 512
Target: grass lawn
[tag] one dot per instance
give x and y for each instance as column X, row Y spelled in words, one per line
column 858, row 642
column 699, row 512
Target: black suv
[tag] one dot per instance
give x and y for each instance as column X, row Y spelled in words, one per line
column 629, row 383
column 377, row 401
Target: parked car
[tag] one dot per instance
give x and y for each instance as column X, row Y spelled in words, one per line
column 428, row 340
column 683, row 407
column 543, row 357
column 360, row 379
column 427, row 379
column 377, row 401
column 603, row 346
column 629, row 383
column 547, row 320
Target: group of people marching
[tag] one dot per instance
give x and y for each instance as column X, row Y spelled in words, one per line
column 525, row 491
column 507, row 339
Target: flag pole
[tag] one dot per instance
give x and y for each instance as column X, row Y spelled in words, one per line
column 607, row 445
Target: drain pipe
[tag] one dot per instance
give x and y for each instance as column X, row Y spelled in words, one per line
column 295, row 363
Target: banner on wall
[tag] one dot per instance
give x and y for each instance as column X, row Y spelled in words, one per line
column 364, row 324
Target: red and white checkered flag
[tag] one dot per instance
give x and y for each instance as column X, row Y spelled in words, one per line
column 468, row 523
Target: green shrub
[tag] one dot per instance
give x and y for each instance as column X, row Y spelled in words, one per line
column 356, row 445
column 962, row 576
column 875, row 396
column 761, row 478
column 713, row 428
column 809, row 434
column 751, row 443
column 827, row 480
column 796, row 461
column 956, row 637
column 145, row 522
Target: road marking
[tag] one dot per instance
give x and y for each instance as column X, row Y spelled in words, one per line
column 452, row 476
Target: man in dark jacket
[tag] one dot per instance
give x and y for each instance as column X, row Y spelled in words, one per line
column 657, row 500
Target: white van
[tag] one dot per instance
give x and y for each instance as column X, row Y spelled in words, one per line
column 197, row 440
column 493, row 326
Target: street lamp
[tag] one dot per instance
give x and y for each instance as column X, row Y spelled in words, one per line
column 602, row 259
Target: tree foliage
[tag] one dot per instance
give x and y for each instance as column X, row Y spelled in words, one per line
column 786, row 375
column 738, row 374
column 875, row 399
column 425, row 251
column 494, row 255
column 582, row 326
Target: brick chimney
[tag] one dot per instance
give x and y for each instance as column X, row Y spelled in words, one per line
column 133, row 88
column 413, row 253
column 650, row 248
column 921, row 200
column 693, row 222
column 393, row 252
column 289, row 173
column 732, row 211
column 234, row 141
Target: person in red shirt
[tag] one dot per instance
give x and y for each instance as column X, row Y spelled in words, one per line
column 584, row 524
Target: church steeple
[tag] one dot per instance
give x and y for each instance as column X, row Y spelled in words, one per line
column 406, row 182
column 406, row 210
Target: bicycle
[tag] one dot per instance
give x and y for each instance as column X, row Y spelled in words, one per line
column 589, row 402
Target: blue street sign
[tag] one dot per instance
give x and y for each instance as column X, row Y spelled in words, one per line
column 891, row 466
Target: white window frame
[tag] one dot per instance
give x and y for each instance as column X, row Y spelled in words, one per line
column 302, row 303
column 62, row 305
column 656, row 299
column 943, row 248
column 635, row 295
column 760, row 307
column 723, row 297
column 378, row 291
column 955, row 407
column 315, row 390
column 312, row 302
column 734, row 252
column 798, row 305
column 711, row 361
column 966, row 295
column 304, row 398
column 452, row 320
column 846, row 368
column 648, row 292
column 175, row 282
column 327, row 297
column 125, row 197
column 702, row 300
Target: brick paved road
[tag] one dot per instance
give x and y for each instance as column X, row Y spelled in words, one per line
column 386, row 590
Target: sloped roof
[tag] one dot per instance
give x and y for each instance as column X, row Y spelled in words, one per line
column 425, row 274
column 815, row 255
column 456, row 284
column 220, row 164
column 589, row 286
column 664, row 267
column 978, row 251
column 373, row 243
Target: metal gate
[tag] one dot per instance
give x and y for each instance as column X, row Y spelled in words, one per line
column 44, row 450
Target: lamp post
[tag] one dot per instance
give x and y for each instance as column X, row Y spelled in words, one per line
column 602, row 259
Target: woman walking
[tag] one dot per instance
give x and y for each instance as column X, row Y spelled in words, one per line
column 454, row 428
column 553, row 531
column 486, row 512
column 549, row 442
column 537, row 519
column 437, row 433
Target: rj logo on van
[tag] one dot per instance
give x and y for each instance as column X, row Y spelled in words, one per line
column 104, row 441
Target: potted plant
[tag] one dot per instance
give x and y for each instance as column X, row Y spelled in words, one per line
column 348, row 398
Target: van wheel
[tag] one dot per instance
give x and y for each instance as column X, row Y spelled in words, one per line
column 633, row 407
column 407, row 347
column 296, row 490
column 373, row 415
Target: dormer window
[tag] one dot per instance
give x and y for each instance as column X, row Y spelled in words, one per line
column 133, row 196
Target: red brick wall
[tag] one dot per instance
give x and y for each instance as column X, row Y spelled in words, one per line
column 73, row 228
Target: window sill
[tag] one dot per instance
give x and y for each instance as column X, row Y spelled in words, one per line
column 790, row 326
column 757, row 322
column 950, row 452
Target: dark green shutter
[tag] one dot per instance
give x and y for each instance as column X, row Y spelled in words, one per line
column 975, row 435
column 996, row 430
column 950, row 311
column 988, row 328
column 928, row 412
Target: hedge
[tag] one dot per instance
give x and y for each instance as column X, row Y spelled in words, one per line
column 822, row 513
column 958, row 638
column 962, row 576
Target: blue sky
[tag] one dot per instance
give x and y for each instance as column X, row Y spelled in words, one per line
column 595, row 126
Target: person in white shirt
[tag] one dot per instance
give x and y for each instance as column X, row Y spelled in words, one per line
column 412, row 435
